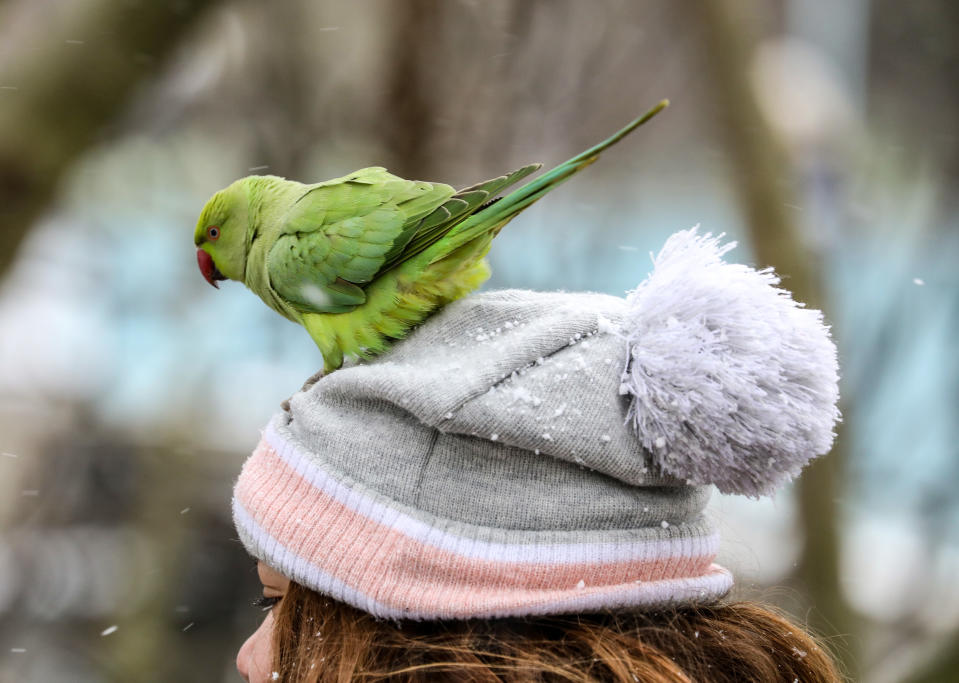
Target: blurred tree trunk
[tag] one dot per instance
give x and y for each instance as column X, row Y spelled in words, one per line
column 410, row 100
column 57, row 98
column 942, row 667
column 761, row 175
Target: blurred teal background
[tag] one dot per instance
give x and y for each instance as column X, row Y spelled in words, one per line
column 822, row 136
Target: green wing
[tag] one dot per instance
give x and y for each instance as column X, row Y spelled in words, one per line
column 458, row 208
column 338, row 235
column 343, row 233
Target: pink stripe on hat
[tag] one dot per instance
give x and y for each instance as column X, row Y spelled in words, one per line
column 380, row 558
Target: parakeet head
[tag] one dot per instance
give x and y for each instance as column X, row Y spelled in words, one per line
column 221, row 234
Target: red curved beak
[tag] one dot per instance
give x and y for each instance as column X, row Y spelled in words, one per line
column 208, row 268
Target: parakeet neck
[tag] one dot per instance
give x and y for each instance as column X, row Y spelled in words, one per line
column 269, row 197
column 269, row 200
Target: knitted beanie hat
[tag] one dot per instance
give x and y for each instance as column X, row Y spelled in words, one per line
column 530, row 453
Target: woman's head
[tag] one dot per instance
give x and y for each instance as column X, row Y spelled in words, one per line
column 528, row 454
column 307, row 638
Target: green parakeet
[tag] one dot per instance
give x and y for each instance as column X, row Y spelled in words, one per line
column 358, row 260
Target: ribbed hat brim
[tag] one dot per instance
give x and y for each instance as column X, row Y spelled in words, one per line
column 301, row 516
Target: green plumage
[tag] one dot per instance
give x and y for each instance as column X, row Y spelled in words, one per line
column 357, row 260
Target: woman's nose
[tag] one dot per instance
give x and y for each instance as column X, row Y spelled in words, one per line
column 243, row 658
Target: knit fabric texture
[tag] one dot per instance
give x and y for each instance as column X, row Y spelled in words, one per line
column 483, row 468
column 493, row 464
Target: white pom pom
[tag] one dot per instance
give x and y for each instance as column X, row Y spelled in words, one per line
column 733, row 382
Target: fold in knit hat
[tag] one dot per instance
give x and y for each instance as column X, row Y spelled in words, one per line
column 530, row 453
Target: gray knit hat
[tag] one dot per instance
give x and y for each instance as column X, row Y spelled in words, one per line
column 538, row 453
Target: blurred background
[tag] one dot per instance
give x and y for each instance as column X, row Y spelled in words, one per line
column 820, row 135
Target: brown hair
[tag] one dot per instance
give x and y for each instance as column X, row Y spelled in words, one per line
column 316, row 638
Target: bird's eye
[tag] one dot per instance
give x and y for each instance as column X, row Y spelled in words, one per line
column 212, row 233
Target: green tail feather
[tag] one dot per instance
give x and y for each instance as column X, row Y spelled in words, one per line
column 502, row 211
